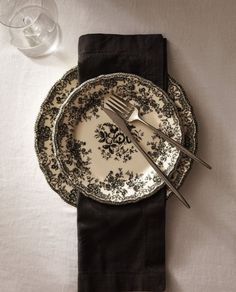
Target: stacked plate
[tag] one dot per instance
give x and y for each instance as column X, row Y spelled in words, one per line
column 81, row 150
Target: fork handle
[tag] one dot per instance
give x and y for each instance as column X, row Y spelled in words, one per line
column 173, row 142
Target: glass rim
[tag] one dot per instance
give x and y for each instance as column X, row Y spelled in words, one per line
column 28, row 25
column 10, row 16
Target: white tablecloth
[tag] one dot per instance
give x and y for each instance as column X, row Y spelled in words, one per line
column 38, row 240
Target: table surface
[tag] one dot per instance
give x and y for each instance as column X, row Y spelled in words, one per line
column 38, row 240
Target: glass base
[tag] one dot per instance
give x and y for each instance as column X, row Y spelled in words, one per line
column 45, row 48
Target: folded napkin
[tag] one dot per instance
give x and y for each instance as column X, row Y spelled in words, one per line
column 143, row 55
column 122, row 248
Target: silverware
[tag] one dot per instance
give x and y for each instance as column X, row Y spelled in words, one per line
column 130, row 113
column 120, row 122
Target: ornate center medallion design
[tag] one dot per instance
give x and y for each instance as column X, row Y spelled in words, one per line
column 114, row 144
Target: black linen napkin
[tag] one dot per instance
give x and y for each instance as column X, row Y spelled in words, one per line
column 122, row 248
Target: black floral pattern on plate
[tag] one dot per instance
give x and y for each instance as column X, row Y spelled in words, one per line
column 114, row 142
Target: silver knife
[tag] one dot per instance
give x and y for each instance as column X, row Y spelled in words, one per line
column 115, row 117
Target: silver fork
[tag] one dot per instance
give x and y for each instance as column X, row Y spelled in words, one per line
column 130, row 113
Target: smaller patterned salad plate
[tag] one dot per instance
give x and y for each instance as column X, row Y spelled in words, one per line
column 97, row 157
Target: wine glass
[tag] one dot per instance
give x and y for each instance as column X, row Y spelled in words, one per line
column 32, row 25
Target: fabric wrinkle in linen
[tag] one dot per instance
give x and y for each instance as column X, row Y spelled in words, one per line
column 122, row 247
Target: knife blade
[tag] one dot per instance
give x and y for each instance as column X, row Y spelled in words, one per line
column 120, row 122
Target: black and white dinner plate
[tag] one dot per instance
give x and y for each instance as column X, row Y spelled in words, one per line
column 60, row 91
